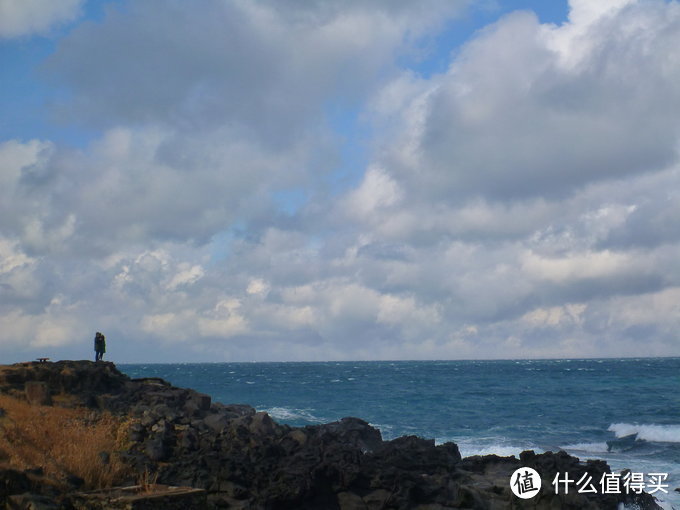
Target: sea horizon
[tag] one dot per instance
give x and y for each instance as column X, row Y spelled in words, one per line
column 212, row 362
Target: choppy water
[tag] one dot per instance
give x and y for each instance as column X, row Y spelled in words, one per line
column 626, row 411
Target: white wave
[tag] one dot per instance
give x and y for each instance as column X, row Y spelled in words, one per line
column 501, row 451
column 284, row 413
column 386, row 431
column 659, row 433
column 468, row 450
column 665, row 505
column 587, row 447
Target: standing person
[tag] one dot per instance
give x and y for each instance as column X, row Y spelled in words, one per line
column 99, row 346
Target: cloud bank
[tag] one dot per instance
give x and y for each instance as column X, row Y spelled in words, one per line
column 521, row 203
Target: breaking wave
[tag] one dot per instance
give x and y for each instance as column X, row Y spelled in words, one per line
column 656, row 433
column 286, row 414
column 587, row 447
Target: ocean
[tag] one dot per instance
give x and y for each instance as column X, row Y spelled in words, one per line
column 625, row 411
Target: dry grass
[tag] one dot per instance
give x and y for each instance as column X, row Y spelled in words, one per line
column 147, row 482
column 62, row 441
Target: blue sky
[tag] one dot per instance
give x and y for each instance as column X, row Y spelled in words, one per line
column 28, row 115
column 283, row 180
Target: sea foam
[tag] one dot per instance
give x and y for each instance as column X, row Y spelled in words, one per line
column 286, row 414
column 587, row 447
column 658, row 433
column 468, row 450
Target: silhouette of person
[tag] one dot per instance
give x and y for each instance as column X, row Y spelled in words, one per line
column 99, row 346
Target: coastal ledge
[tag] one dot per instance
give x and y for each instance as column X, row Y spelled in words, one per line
column 242, row 459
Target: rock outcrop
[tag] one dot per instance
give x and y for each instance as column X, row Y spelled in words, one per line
column 246, row 460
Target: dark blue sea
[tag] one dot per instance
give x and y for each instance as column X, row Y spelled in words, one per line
column 625, row 411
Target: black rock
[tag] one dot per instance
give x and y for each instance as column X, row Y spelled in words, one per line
column 156, row 450
column 244, row 459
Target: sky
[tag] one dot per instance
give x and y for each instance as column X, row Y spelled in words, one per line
column 287, row 180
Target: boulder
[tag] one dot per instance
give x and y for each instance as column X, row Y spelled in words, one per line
column 197, row 402
column 349, row 431
column 217, row 422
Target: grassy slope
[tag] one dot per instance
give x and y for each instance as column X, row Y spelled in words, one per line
column 62, row 441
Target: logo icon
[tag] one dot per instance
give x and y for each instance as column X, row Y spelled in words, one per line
column 525, row 483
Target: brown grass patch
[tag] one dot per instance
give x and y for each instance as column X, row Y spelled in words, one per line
column 62, row 441
column 147, row 482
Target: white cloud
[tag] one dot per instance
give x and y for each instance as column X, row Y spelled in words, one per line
column 56, row 326
column 26, row 17
column 16, row 156
column 521, row 203
column 376, row 191
column 509, row 120
column 37, row 238
column 11, row 258
column 576, row 266
column 658, row 309
column 583, row 12
column 18, row 278
column 22, row 164
column 296, row 58
column 258, row 286
column 186, row 276
column 183, row 326
column 556, row 315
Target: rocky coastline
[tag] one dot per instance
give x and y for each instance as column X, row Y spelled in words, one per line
column 231, row 456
